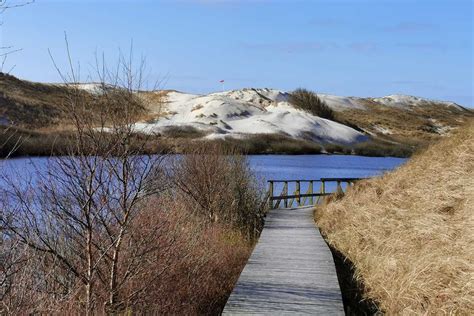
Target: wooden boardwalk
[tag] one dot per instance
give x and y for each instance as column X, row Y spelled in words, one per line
column 291, row 270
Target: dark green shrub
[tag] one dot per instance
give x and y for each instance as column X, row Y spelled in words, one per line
column 183, row 132
column 379, row 149
column 273, row 144
column 336, row 149
column 309, row 101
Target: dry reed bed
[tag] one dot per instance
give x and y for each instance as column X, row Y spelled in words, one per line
column 410, row 233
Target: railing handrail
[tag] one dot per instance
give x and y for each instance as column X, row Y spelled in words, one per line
column 302, row 197
column 281, row 197
column 319, row 180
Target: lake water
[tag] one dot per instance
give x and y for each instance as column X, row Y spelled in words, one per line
column 287, row 167
column 313, row 167
column 273, row 167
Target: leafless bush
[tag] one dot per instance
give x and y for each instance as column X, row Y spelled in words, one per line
column 7, row 50
column 101, row 230
column 78, row 212
column 217, row 184
column 200, row 268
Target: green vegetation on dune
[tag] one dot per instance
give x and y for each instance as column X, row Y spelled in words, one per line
column 309, row 101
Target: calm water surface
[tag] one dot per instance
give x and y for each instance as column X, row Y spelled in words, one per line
column 276, row 167
column 286, row 167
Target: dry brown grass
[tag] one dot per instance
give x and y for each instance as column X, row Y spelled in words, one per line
column 413, row 126
column 410, row 233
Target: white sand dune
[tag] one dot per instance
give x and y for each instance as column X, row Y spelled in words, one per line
column 238, row 113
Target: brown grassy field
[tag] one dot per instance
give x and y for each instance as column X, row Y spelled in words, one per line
column 409, row 233
column 412, row 126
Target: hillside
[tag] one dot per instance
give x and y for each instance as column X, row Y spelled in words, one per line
column 263, row 116
column 28, row 104
column 248, row 111
column 409, row 234
column 403, row 119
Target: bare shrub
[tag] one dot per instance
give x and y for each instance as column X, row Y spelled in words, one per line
column 309, row 101
column 102, row 230
column 78, row 211
column 5, row 51
column 178, row 262
column 217, row 184
column 201, row 267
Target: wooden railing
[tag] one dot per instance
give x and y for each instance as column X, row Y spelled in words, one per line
column 327, row 186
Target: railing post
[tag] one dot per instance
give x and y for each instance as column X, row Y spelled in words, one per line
column 285, row 190
column 322, row 190
column 270, row 194
column 339, row 187
column 310, row 190
column 298, row 191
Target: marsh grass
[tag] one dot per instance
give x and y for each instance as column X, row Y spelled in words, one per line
column 409, row 232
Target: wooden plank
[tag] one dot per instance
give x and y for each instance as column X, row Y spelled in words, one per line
column 340, row 179
column 291, row 270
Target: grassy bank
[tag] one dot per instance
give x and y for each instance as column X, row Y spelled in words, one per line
column 20, row 142
column 409, row 233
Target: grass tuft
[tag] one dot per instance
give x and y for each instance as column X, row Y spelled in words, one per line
column 309, row 101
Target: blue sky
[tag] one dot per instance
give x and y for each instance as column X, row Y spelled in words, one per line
column 359, row 47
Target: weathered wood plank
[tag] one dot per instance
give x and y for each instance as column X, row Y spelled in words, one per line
column 291, row 270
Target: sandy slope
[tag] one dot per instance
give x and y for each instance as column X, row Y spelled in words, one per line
column 249, row 111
